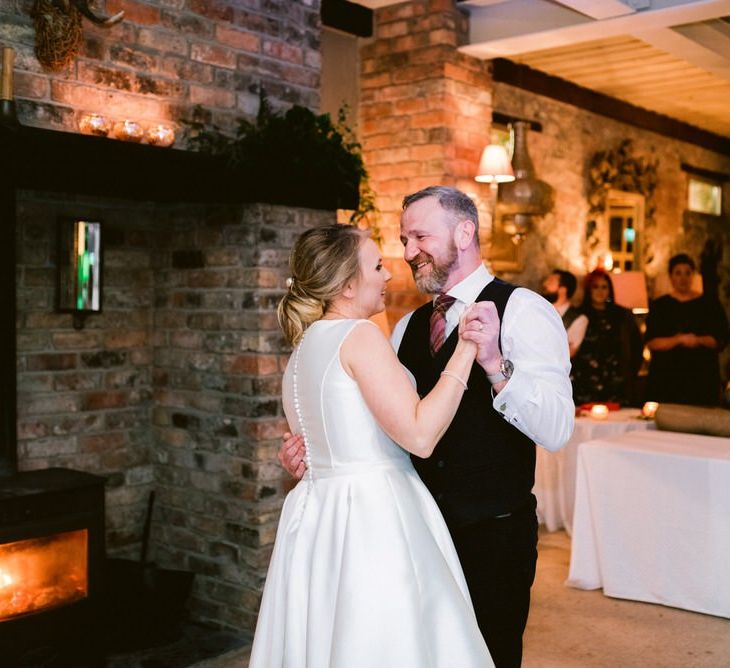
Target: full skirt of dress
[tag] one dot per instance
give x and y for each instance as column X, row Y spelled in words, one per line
column 364, row 575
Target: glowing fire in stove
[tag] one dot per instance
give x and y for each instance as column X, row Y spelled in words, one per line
column 43, row 573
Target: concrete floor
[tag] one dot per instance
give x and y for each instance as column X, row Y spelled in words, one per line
column 571, row 628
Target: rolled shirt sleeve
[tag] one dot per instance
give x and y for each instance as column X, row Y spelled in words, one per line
column 538, row 398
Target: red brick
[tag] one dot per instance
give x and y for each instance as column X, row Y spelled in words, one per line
column 283, row 51
column 30, row 85
column 76, row 340
column 102, row 442
column 122, row 339
column 94, row 401
column 213, row 55
column 163, row 41
column 135, row 12
column 238, row 39
column 212, row 97
column 214, row 9
column 251, row 364
column 51, row 362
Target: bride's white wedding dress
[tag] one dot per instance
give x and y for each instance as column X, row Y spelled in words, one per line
column 364, row 573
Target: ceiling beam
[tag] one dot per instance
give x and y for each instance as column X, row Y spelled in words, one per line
column 486, row 41
column 521, row 76
column 599, row 9
column 688, row 50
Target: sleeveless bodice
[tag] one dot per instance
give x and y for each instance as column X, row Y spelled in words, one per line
column 328, row 407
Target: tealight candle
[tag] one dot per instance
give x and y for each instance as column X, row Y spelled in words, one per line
column 94, row 124
column 599, row 411
column 128, row 131
column 649, row 409
column 160, row 135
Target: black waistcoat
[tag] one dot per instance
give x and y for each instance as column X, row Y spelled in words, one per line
column 483, row 466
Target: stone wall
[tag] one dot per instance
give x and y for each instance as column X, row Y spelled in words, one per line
column 167, row 56
column 175, row 386
column 561, row 153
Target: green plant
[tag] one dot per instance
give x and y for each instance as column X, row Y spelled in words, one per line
column 296, row 158
column 620, row 169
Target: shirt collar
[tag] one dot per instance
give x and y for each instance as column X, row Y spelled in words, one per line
column 467, row 290
column 562, row 308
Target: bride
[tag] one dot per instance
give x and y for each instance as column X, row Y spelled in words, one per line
column 364, row 573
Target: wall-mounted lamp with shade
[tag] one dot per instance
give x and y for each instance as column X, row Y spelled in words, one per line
column 494, row 168
column 79, row 268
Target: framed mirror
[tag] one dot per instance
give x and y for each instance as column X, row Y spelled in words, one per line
column 79, row 268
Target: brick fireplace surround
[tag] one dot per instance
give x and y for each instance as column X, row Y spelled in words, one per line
column 175, row 385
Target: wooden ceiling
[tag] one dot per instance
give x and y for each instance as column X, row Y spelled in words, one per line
column 670, row 57
column 643, row 75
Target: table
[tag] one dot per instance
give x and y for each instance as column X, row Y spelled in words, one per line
column 555, row 471
column 651, row 519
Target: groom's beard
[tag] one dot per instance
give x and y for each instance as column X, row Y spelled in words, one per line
column 552, row 297
column 437, row 273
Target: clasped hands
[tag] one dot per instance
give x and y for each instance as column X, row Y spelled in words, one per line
column 479, row 324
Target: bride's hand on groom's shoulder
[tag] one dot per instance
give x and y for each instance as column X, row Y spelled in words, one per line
column 291, row 454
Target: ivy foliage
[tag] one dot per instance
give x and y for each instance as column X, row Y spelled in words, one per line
column 295, row 158
column 621, row 169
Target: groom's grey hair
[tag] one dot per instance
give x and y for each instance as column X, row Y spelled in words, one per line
column 452, row 200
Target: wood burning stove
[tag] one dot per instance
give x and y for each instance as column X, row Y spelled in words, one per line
column 51, row 562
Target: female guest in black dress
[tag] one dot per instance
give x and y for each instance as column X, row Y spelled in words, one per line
column 606, row 364
column 685, row 332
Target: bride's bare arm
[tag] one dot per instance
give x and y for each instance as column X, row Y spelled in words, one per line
column 415, row 424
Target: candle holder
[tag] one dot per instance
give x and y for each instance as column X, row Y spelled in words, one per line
column 599, row 411
column 128, row 131
column 94, row 124
column 160, row 135
column 649, row 409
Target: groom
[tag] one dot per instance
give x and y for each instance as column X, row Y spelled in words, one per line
column 482, row 471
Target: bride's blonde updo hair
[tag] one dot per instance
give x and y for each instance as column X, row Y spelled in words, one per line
column 324, row 260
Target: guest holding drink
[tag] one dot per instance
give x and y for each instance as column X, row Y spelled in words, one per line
column 606, row 364
column 685, row 332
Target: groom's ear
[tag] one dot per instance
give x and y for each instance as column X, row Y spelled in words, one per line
column 464, row 234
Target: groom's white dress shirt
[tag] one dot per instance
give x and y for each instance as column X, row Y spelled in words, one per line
column 538, row 399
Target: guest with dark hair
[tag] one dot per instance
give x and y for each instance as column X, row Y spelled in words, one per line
column 685, row 331
column 606, row 364
column 558, row 288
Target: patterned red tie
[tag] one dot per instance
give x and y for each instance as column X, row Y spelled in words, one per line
column 438, row 321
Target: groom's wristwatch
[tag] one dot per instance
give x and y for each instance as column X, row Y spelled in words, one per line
column 505, row 372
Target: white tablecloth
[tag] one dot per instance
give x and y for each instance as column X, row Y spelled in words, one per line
column 555, row 471
column 652, row 520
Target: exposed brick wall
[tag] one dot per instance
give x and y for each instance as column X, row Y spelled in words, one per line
column 425, row 116
column 175, row 386
column 84, row 396
column 219, row 358
column 167, row 56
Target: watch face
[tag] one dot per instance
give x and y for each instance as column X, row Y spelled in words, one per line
column 507, row 368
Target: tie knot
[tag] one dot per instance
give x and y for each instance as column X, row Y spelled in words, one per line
column 443, row 303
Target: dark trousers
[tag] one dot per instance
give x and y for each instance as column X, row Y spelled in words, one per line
column 499, row 556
